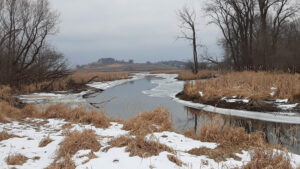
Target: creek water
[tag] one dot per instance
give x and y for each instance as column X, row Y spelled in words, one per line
column 127, row 100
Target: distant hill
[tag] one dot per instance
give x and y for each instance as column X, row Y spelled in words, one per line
column 112, row 65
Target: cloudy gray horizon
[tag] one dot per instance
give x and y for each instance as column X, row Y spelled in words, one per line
column 142, row 30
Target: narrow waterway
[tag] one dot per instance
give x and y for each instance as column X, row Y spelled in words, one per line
column 128, row 99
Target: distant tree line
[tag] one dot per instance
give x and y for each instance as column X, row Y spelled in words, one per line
column 25, row 55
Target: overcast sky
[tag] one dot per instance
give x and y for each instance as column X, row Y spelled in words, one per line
column 143, row 30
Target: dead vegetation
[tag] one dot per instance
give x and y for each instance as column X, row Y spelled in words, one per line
column 246, row 85
column 231, row 141
column 148, row 122
column 139, row 146
column 4, row 136
column 267, row 158
column 175, row 160
column 202, row 74
column 75, row 141
column 75, row 81
column 44, row 142
column 17, row 159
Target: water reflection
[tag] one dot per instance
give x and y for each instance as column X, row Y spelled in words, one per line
column 287, row 135
column 127, row 100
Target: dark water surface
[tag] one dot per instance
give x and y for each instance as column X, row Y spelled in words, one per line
column 127, row 100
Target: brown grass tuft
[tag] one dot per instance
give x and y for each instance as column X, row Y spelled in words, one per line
column 266, row 158
column 17, row 159
column 74, row 142
column 8, row 111
column 149, row 122
column 4, row 136
column 44, row 142
column 139, row 146
column 175, row 160
column 251, row 85
column 231, row 140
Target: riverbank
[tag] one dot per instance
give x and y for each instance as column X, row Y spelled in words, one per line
column 53, row 138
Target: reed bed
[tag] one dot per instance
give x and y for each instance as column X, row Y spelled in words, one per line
column 246, row 85
column 75, row 81
column 202, row 74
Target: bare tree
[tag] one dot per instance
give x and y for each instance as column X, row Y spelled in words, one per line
column 24, row 28
column 187, row 19
column 251, row 29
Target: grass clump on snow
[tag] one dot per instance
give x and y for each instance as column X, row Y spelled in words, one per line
column 139, row 146
column 75, row 141
column 231, row 141
column 4, row 136
column 267, row 158
column 44, row 142
column 17, row 159
column 148, row 122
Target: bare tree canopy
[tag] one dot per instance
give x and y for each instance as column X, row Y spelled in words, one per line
column 255, row 32
column 24, row 54
column 187, row 18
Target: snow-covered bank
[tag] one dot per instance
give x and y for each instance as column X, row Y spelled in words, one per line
column 32, row 131
column 169, row 86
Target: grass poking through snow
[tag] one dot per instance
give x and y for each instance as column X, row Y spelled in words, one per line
column 17, row 159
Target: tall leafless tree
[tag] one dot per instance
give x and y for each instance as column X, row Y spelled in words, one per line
column 252, row 29
column 24, row 28
column 187, row 18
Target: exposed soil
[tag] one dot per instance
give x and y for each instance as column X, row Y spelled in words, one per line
column 259, row 106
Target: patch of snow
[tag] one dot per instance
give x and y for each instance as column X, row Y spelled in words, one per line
column 179, row 142
column 201, row 94
column 282, row 100
column 272, row 94
column 287, row 106
column 168, row 86
column 273, row 88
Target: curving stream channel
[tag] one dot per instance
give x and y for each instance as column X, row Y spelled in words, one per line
column 146, row 92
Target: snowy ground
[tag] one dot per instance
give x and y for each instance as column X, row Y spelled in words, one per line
column 34, row 130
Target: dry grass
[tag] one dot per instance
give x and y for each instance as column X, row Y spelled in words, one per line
column 44, row 142
column 6, row 94
column 4, row 136
column 75, row 141
column 231, row 141
column 78, row 115
column 8, row 111
column 266, row 158
column 202, row 74
column 75, row 81
column 149, row 122
column 17, row 159
column 175, row 160
column 138, row 146
column 251, row 85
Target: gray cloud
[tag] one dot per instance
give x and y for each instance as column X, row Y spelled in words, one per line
column 126, row 29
